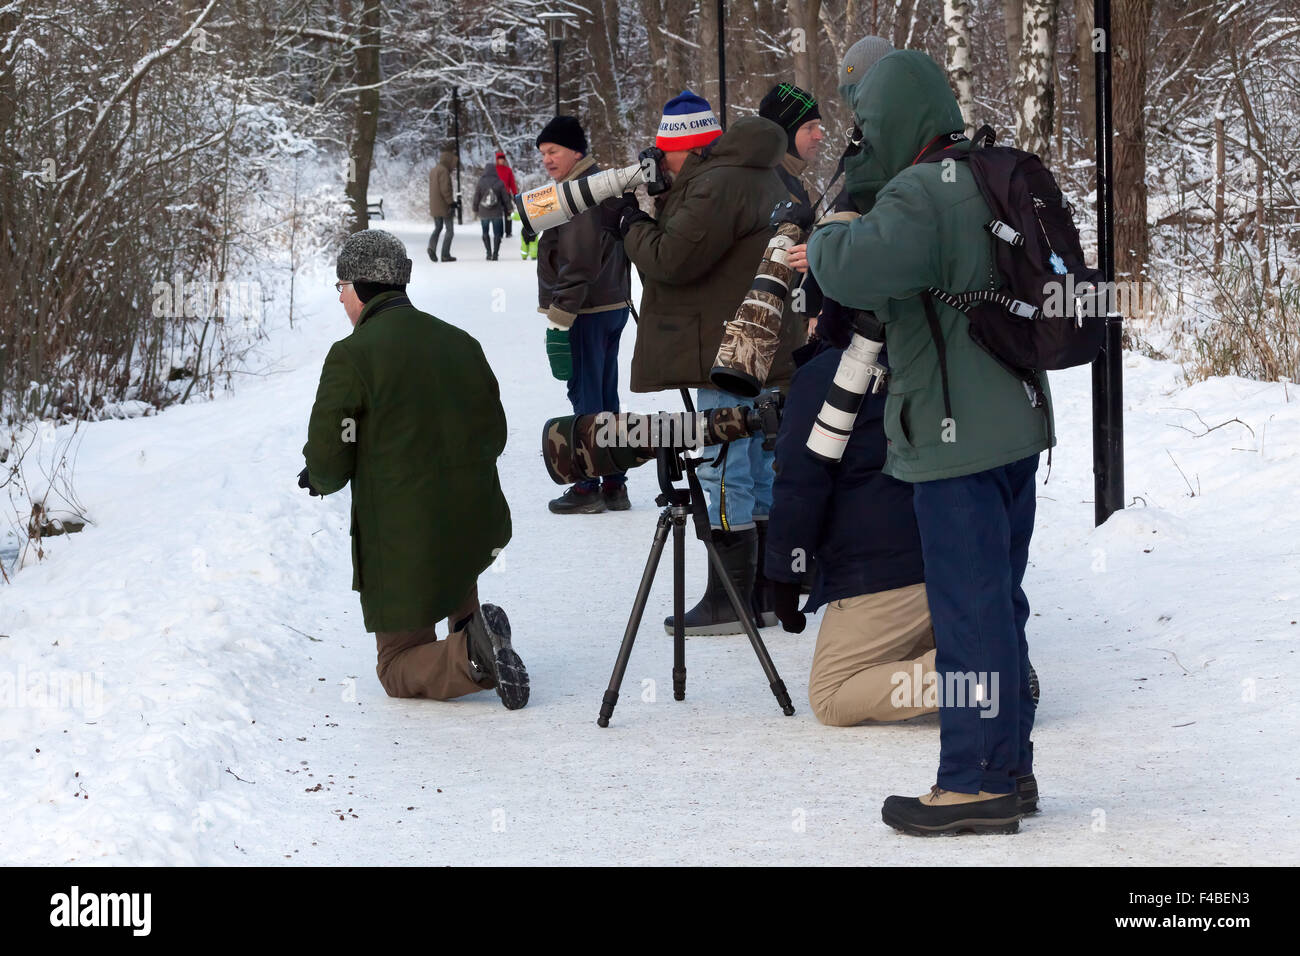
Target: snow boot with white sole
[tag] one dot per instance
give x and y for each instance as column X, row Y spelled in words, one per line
column 492, row 655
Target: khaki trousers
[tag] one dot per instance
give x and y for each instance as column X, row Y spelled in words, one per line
column 415, row 663
column 864, row 664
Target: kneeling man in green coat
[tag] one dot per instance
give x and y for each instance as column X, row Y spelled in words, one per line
column 409, row 412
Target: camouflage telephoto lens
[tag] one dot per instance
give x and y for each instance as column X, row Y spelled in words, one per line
column 750, row 340
column 606, row 443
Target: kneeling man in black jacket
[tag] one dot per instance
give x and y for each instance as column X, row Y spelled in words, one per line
column 875, row 651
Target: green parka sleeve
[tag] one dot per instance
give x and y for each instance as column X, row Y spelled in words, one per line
column 331, row 449
column 893, row 252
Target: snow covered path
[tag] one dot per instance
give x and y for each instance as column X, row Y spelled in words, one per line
column 241, row 720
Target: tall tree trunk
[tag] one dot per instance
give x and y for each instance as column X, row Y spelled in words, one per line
column 1035, row 83
column 1013, row 21
column 956, row 22
column 904, row 20
column 606, row 134
column 1087, row 71
column 1218, row 189
column 706, row 35
column 365, row 74
column 804, row 15
column 1130, row 24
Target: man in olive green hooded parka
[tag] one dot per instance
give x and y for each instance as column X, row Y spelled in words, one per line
column 408, row 411
column 972, row 472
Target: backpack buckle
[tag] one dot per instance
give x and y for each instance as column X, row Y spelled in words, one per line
column 1006, row 233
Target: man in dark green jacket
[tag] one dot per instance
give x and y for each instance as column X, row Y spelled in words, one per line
column 971, row 454
column 697, row 261
column 408, row 411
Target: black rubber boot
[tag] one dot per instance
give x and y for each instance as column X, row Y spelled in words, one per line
column 714, row 615
column 764, row 608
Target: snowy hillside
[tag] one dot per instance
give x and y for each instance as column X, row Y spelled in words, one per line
column 232, row 713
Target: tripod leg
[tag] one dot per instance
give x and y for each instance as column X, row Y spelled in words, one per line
column 744, row 615
column 634, row 622
column 679, row 606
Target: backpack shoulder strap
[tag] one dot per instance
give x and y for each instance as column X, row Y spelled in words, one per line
column 936, row 333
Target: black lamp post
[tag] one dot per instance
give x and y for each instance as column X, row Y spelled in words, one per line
column 555, row 24
column 1107, row 368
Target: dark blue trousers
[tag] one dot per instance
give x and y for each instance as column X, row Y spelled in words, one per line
column 593, row 340
column 975, row 533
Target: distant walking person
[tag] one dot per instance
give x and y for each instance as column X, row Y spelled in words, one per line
column 491, row 203
column 508, row 177
column 442, row 205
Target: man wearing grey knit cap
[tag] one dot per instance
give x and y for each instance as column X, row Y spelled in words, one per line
column 409, row 413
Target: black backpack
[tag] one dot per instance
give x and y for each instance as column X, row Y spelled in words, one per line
column 1048, row 313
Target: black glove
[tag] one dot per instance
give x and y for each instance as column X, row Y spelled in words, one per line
column 618, row 212
column 795, row 212
column 527, row 235
column 305, row 482
column 785, row 601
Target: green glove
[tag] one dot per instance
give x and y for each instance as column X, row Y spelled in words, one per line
column 559, row 354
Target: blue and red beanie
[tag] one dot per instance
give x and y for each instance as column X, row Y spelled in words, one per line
column 688, row 123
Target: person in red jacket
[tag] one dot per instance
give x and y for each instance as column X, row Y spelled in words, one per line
column 508, row 177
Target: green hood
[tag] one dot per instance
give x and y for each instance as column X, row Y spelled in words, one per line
column 900, row 106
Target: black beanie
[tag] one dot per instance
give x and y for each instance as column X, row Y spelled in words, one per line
column 789, row 108
column 564, row 131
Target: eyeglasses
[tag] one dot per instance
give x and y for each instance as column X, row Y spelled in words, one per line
column 338, row 287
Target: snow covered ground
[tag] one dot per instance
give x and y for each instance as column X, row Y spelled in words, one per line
column 230, row 711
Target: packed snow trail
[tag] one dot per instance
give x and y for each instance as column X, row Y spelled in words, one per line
column 241, row 720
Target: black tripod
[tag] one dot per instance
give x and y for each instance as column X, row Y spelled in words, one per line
column 678, row 505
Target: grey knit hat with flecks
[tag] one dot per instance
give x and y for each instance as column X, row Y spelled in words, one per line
column 373, row 255
column 862, row 56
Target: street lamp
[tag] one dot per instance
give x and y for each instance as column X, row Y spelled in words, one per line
column 555, row 24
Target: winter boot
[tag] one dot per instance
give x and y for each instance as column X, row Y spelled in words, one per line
column 714, row 614
column 432, row 255
column 487, row 247
column 615, row 495
column 491, row 655
column 764, row 609
column 1027, row 789
column 578, row 500
column 496, row 247
column 943, row 812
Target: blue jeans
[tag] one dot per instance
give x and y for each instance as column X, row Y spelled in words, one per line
column 740, row 486
column 975, row 533
column 593, row 341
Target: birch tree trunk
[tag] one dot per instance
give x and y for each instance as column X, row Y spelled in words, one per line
column 1035, row 82
column 956, row 22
